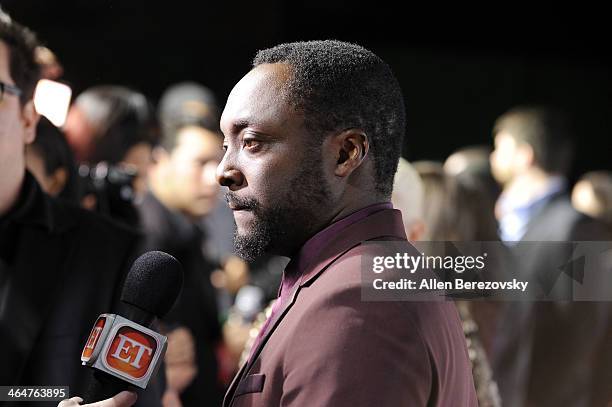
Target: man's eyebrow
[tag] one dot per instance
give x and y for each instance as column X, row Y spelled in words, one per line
column 239, row 124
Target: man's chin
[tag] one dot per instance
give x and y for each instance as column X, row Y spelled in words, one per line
column 249, row 247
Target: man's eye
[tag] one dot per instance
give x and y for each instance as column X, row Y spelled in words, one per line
column 250, row 144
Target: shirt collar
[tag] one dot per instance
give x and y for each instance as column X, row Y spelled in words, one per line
column 517, row 211
column 300, row 262
column 514, row 203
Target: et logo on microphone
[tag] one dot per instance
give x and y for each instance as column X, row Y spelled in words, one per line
column 124, row 349
column 94, row 337
column 131, row 352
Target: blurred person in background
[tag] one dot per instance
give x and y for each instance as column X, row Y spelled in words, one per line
column 112, row 131
column 188, row 104
column 408, row 197
column 50, row 67
column 546, row 351
column 60, row 266
column 592, row 195
column 182, row 190
column 192, row 104
column 51, row 161
column 472, row 167
column 454, row 211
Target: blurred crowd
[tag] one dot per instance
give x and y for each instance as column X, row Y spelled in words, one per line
column 152, row 169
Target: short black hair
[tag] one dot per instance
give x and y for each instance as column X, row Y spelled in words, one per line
column 546, row 129
column 186, row 104
column 22, row 44
column 121, row 117
column 338, row 85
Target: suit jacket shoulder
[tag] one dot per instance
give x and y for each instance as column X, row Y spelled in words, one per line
column 369, row 353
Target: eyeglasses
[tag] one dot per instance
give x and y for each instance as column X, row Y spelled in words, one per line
column 5, row 87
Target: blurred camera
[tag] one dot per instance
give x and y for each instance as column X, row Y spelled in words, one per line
column 109, row 189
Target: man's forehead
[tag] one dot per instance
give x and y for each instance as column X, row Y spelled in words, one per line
column 258, row 96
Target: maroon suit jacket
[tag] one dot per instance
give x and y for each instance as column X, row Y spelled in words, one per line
column 327, row 347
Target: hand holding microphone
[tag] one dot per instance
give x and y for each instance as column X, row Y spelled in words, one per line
column 123, row 399
column 122, row 349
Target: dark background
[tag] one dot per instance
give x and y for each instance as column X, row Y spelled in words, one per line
column 459, row 68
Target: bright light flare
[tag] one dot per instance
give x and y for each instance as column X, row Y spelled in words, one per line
column 52, row 99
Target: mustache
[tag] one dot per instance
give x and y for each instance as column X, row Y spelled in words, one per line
column 241, row 203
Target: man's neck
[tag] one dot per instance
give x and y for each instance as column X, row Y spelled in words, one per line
column 10, row 187
column 348, row 207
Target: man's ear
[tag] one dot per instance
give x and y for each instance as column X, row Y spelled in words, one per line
column 351, row 148
column 30, row 119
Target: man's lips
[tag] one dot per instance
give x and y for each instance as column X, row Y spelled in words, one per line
column 241, row 209
column 237, row 203
column 238, row 208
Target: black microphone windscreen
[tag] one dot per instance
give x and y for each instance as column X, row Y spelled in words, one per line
column 153, row 283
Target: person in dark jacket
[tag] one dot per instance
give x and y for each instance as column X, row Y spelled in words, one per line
column 60, row 266
column 546, row 353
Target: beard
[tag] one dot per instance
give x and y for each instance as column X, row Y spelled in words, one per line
column 283, row 227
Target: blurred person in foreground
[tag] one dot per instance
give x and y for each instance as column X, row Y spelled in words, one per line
column 51, row 161
column 182, row 190
column 112, row 131
column 60, row 266
column 546, row 352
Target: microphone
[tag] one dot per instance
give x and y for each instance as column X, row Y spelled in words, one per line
column 121, row 348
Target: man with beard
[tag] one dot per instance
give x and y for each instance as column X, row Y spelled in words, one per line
column 312, row 140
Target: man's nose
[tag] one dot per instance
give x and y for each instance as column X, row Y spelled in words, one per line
column 228, row 175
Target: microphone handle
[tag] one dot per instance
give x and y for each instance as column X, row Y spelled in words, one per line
column 102, row 387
